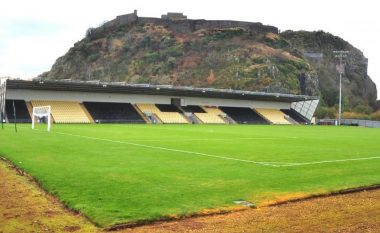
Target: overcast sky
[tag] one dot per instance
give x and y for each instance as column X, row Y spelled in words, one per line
column 33, row 34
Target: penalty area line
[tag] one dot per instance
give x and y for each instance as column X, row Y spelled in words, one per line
column 328, row 161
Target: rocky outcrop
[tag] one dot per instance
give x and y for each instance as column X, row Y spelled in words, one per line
column 317, row 48
column 216, row 53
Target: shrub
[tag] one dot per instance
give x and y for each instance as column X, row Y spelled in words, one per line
column 324, row 112
column 93, row 57
column 363, row 109
column 375, row 116
column 355, row 115
column 174, row 51
column 152, row 57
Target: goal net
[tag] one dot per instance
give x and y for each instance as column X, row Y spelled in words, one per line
column 40, row 114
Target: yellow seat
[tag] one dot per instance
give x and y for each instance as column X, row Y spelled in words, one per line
column 64, row 111
column 273, row 115
column 211, row 116
column 165, row 117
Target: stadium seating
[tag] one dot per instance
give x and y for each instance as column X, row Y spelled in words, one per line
column 275, row 116
column 22, row 113
column 168, row 108
column 87, row 113
column 103, row 112
column 172, row 117
column 193, row 109
column 244, row 115
column 210, row 116
column 295, row 116
column 64, row 111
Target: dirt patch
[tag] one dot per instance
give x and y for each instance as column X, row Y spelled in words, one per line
column 24, row 207
column 354, row 212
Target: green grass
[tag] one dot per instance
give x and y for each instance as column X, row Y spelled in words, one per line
column 118, row 182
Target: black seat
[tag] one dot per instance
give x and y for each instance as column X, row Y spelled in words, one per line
column 22, row 113
column 295, row 115
column 168, row 108
column 243, row 115
column 103, row 112
column 193, row 109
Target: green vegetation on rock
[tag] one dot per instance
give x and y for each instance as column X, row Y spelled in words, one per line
column 246, row 56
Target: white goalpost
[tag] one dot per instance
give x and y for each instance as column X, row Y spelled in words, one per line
column 39, row 112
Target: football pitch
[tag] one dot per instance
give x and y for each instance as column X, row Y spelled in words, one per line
column 128, row 173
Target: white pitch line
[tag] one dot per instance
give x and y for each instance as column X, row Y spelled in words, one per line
column 204, row 139
column 328, row 161
column 173, row 150
column 271, row 164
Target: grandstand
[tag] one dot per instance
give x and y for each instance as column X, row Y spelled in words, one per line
column 98, row 102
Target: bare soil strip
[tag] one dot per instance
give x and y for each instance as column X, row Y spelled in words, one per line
column 24, row 207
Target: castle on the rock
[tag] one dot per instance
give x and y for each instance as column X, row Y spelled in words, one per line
column 178, row 22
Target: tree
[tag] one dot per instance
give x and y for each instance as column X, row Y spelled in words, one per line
column 90, row 32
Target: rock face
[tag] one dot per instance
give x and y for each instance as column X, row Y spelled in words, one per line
column 178, row 51
column 317, row 48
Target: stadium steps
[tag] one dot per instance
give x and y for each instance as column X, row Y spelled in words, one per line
column 211, row 115
column 64, row 111
column 228, row 119
column 155, row 119
column 149, row 110
column 171, row 114
column 30, row 108
column 143, row 116
column 189, row 113
column 274, row 116
column 196, row 119
column 86, row 112
column 164, row 117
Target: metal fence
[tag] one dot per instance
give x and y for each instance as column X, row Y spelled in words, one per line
column 350, row 122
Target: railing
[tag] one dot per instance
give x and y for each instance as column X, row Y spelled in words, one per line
column 350, row 122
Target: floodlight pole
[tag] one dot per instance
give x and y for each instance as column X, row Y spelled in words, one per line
column 14, row 116
column 340, row 54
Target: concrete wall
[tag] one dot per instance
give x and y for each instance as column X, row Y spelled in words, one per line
column 185, row 25
column 28, row 95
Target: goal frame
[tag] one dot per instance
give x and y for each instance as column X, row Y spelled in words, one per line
column 39, row 112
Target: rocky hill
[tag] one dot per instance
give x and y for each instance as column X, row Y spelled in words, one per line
column 216, row 53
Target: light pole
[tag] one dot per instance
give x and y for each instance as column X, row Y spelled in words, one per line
column 340, row 54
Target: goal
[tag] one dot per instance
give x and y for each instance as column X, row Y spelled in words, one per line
column 40, row 113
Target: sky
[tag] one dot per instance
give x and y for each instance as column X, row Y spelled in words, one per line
column 33, row 34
